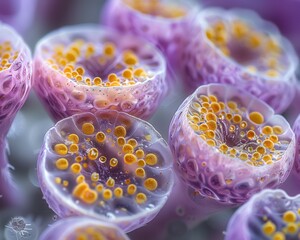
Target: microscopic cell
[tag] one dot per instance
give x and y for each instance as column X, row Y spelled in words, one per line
column 237, row 47
column 165, row 23
column 108, row 165
column 87, row 68
column 296, row 129
column 15, row 83
column 228, row 144
column 83, row 228
column 268, row 215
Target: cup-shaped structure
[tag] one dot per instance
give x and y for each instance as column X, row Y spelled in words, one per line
column 166, row 23
column 15, row 75
column 296, row 129
column 239, row 48
column 107, row 165
column 228, row 144
column 83, row 228
column 269, row 215
column 15, row 83
column 87, row 68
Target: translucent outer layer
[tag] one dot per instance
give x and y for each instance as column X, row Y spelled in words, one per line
column 125, row 179
column 15, row 75
column 203, row 62
column 269, row 215
column 87, row 228
column 296, row 128
column 235, row 176
column 64, row 96
column 184, row 209
column 165, row 23
column 15, row 83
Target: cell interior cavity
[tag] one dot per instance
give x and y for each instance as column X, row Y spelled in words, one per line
column 276, row 216
column 157, row 8
column 257, row 49
column 7, row 54
column 109, row 165
column 99, row 59
column 235, row 128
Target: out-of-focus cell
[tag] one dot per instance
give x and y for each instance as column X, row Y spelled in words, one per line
column 88, row 68
column 107, row 165
column 228, row 144
column 15, row 83
column 296, row 129
column 83, row 228
column 165, row 23
column 17, row 13
column 237, row 47
column 269, row 215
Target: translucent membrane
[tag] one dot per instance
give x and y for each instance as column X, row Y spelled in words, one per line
column 83, row 228
column 107, row 165
column 269, row 215
column 239, row 48
column 229, row 145
column 15, row 83
column 296, row 129
column 86, row 68
column 165, row 23
column 184, row 209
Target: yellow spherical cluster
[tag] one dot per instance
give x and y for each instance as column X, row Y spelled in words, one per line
column 289, row 225
column 246, row 39
column 86, row 233
column 7, row 55
column 69, row 61
column 88, row 155
column 230, row 128
column 157, row 8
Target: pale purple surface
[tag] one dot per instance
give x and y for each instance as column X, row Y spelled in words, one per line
column 61, row 200
column 204, row 63
column 190, row 151
column 60, row 94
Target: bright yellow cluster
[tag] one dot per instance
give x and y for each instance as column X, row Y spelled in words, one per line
column 87, row 233
column 239, row 38
column 79, row 156
column 290, row 226
column 7, row 55
column 156, row 8
column 234, row 131
column 69, row 61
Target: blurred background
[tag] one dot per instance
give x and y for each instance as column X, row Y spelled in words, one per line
column 35, row 18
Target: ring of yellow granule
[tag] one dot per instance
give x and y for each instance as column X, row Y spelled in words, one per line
column 222, row 33
column 65, row 60
column 157, row 8
column 7, row 55
column 92, row 189
column 204, row 115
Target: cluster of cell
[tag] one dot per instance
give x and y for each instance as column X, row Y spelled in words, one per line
column 110, row 166
column 164, row 23
column 229, row 145
column 269, row 215
column 237, row 47
column 83, row 228
column 86, row 68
